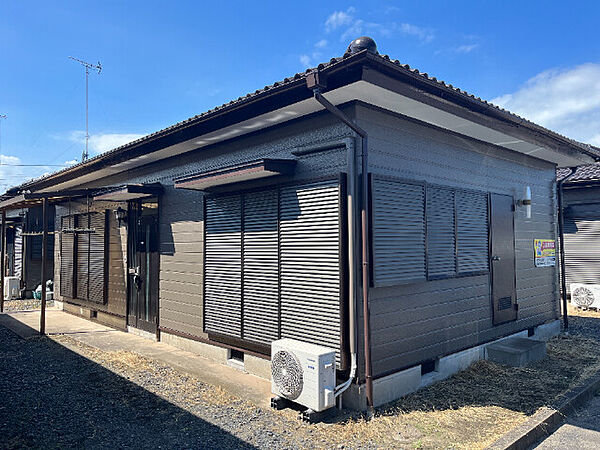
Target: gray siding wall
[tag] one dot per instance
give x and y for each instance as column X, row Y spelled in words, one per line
column 181, row 248
column 181, row 211
column 420, row 321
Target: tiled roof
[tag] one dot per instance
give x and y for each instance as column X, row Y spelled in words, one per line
column 297, row 78
column 588, row 172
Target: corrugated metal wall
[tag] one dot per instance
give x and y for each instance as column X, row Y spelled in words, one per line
column 582, row 251
column 420, row 321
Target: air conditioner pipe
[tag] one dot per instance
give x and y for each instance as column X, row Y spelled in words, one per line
column 561, row 237
column 316, row 84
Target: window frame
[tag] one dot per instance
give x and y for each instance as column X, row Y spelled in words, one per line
column 426, row 185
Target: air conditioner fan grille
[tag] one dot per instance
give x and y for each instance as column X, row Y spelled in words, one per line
column 287, row 374
column 583, row 296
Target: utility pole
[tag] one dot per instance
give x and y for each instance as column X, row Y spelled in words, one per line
column 87, row 66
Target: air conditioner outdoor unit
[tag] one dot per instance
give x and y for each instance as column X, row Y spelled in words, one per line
column 585, row 295
column 303, row 373
column 11, row 288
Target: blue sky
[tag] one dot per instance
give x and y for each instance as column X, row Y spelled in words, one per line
column 166, row 61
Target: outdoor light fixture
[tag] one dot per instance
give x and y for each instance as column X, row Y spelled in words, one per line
column 121, row 215
column 526, row 202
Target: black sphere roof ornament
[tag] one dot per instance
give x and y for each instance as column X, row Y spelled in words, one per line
column 362, row 43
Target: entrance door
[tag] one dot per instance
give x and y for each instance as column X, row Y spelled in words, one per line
column 143, row 265
column 502, row 256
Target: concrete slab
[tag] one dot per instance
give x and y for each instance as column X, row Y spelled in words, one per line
column 517, row 351
column 249, row 387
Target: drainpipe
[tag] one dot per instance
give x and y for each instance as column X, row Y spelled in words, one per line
column 561, row 237
column 315, row 82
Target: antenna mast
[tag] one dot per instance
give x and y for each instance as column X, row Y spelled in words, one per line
column 2, row 116
column 87, row 66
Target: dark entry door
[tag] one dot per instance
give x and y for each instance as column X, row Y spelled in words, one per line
column 502, row 256
column 143, row 265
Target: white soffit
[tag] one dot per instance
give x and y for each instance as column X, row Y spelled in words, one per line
column 360, row 90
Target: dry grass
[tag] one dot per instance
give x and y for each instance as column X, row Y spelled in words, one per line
column 470, row 410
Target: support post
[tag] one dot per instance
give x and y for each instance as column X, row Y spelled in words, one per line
column 2, row 268
column 44, row 257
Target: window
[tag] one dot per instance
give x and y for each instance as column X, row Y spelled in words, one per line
column 272, row 264
column 427, row 232
column 82, row 268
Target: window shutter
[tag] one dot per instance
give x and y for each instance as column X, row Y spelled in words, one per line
column 261, row 267
column 398, row 232
column 97, row 262
column 83, row 258
column 67, row 249
column 472, row 232
column 18, row 251
column 223, row 265
column 310, row 263
column 441, row 245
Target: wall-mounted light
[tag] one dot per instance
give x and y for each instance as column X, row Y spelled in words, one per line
column 526, row 202
column 121, row 215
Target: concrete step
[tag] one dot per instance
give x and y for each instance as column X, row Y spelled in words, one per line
column 517, row 351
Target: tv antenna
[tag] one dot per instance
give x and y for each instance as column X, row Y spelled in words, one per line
column 87, row 66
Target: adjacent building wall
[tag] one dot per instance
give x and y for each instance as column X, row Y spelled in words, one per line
column 412, row 323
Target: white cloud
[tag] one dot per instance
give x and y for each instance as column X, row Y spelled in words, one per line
column 14, row 172
column 103, row 142
column 321, row 44
column 339, row 19
column 305, row 60
column 467, row 48
column 564, row 100
column 71, row 162
column 425, row 35
column 350, row 26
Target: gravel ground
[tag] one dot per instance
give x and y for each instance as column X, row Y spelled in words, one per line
column 25, row 305
column 59, row 393
column 54, row 397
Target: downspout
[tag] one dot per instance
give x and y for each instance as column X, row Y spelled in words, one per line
column 561, row 237
column 316, row 84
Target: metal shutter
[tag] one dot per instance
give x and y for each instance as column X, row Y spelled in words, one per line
column 398, row 232
column 18, row 250
column 83, row 257
column 223, row 265
column 582, row 256
column 261, row 267
column 441, row 245
column 97, row 262
column 67, row 249
column 472, row 231
column 310, row 263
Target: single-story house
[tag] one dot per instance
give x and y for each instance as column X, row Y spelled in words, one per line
column 361, row 205
column 581, row 211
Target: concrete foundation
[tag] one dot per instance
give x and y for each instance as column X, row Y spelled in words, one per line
column 395, row 386
column 141, row 333
column 252, row 364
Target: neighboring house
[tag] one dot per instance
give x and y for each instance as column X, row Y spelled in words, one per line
column 23, row 254
column 242, row 225
column 581, row 206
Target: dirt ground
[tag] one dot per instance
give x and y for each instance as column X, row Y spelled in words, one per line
column 79, row 396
